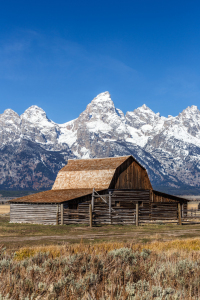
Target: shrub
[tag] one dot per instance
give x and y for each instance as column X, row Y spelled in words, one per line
column 100, row 271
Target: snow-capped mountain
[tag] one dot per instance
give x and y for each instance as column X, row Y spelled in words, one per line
column 33, row 148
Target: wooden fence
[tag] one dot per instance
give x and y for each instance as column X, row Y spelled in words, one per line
column 150, row 212
column 127, row 207
column 100, row 215
column 191, row 216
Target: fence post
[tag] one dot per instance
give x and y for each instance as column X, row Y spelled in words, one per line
column 93, row 200
column 90, row 214
column 61, row 212
column 150, row 205
column 137, row 215
column 110, row 203
column 57, row 215
column 179, row 214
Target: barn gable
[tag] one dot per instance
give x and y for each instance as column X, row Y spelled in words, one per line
column 130, row 175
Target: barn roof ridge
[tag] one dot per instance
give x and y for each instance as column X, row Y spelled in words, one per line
column 110, row 157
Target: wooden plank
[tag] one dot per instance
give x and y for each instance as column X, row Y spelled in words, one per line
column 137, row 215
column 110, row 207
column 90, row 213
column 57, row 220
column 179, row 214
column 93, row 200
column 33, row 213
column 61, row 212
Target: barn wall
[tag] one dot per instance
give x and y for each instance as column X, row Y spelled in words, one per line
column 33, row 213
column 162, row 197
column 130, row 175
column 129, row 198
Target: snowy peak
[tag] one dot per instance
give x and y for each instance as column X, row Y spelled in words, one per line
column 101, row 108
column 191, row 109
column 102, row 98
column 9, row 122
column 100, row 118
column 101, row 104
column 9, row 114
column 141, row 116
column 145, row 113
column 190, row 113
column 35, row 114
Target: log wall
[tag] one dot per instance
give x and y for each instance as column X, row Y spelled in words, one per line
column 128, row 198
column 109, row 207
column 162, row 197
column 123, row 208
column 34, row 213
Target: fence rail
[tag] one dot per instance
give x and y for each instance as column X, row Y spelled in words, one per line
column 149, row 213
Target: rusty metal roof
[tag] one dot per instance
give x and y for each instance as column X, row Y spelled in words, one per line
column 53, row 196
column 88, row 173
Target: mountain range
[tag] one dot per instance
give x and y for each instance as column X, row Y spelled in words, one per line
column 33, row 148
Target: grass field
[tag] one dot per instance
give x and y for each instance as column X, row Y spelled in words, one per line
column 193, row 204
column 4, row 209
column 103, row 271
column 14, row 236
column 160, row 262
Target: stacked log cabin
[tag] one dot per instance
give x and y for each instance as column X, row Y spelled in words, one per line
column 118, row 190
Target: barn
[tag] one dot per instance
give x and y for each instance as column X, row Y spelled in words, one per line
column 114, row 190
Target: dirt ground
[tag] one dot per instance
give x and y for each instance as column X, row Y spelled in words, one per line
column 15, row 236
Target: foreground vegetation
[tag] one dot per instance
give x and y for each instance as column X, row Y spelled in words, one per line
column 159, row 270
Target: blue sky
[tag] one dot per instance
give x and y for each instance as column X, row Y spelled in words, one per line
column 60, row 54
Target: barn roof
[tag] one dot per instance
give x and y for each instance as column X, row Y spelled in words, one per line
column 77, row 179
column 53, row 196
column 88, row 173
column 94, row 163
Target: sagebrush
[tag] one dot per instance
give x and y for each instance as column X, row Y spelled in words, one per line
column 103, row 271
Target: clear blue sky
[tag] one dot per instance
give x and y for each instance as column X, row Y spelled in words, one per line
column 60, row 54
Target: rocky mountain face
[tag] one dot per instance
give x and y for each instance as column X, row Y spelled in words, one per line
column 33, row 148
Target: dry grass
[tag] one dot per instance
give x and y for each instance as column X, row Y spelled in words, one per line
column 15, row 236
column 187, row 245
column 4, row 209
column 193, row 205
column 103, row 271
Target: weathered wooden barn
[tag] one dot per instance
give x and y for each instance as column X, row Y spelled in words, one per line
column 117, row 190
